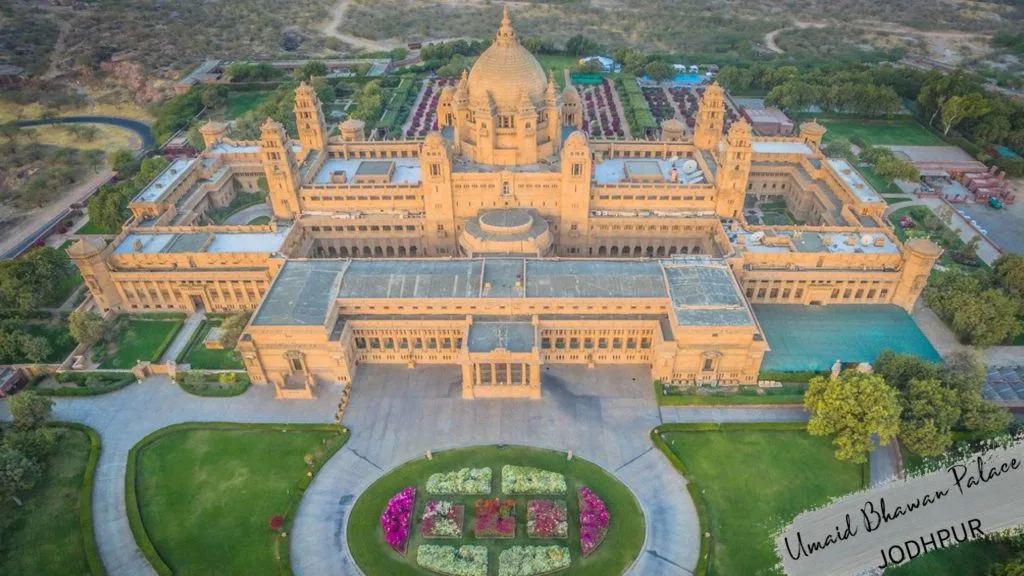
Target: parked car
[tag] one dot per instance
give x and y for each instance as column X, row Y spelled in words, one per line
column 995, row 202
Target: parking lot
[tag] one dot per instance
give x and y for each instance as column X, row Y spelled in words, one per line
column 1005, row 227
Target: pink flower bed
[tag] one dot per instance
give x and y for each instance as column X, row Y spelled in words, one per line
column 599, row 107
column 495, row 518
column 594, row 520
column 424, row 117
column 546, row 519
column 397, row 519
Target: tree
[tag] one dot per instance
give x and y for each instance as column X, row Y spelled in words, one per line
column 979, row 415
column 231, row 330
column 1012, row 568
column 897, row 169
column 580, row 45
column 979, row 315
column 311, row 69
column 86, row 327
column 18, row 473
column 956, row 109
column 35, row 443
column 899, row 369
column 30, row 410
column 838, row 148
column 930, row 410
column 660, row 70
column 852, row 408
column 123, row 162
column 35, row 348
column 1009, row 273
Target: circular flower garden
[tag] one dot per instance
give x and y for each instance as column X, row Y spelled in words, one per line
column 490, row 510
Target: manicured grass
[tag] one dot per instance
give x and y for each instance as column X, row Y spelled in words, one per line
column 92, row 228
column 623, row 543
column 142, row 339
column 895, row 199
column 206, row 493
column 200, row 358
column 877, row 182
column 57, row 335
column 241, row 102
column 882, row 132
column 753, row 482
column 743, row 395
column 260, row 220
column 45, row 535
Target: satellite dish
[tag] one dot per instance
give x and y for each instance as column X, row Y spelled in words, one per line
column 690, row 166
column 756, row 237
column 866, row 240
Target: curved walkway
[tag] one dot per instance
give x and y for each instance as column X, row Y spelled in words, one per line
column 604, row 415
column 140, row 128
column 246, row 215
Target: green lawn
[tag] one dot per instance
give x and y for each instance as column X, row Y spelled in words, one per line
column 142, row 339
column 202, row 359
column 743, row 395
column 206, row 496
column 881, row 132
column 57, row 335
column 877, row 182
column 260, row 220
column 91, row 228
column 754, row 482
column 616, row 553
column 45, row 535
column 241, row 102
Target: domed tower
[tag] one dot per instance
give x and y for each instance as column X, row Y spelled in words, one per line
column 572, row 108
column 504, row 108
column 734, row 169
column 577, row 171
column 919, row 255
column 309, row 118
column 707, row 132
column 90, row 255
column 281, row 170
column 672, row 130
column 812, row 133
column 212, row 132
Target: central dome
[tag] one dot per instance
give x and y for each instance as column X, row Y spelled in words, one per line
column 505, row 70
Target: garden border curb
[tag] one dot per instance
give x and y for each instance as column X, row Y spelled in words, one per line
column 92, row 552
column 134, row 513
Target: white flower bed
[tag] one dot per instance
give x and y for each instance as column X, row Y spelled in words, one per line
column 533, row 560
column 467, row 481
column 527, row 480
column 461, row 561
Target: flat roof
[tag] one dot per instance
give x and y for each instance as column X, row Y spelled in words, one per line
column 485, row 336
column 166, row 180
column 761, row 147
column 235, row 148
column 407, row 170
column 849, row 175
column 703, row 291
column 705, row 294
column 614, row 170
column 302, row 293
column 210, row 242
column 808, row 241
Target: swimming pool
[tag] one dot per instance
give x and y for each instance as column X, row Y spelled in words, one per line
column 688, row 79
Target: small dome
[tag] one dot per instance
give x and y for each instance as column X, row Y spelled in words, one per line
column 434, row 139
column 352, row 124
column 570, row 95
column 672, row 124
column 505, row 70
column 924, row 247
column 577, row 138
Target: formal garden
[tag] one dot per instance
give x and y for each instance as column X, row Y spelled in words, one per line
column 496, row 510
column 46, row 492
column 137, row 338
column 424, row 116
column 219, row 498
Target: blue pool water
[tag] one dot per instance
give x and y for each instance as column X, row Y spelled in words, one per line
column 688, row 79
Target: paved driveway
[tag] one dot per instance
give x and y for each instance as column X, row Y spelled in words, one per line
column 603, row 414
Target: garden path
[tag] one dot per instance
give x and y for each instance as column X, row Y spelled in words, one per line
column 604, row 415
column 246, row 215
column 182, row 338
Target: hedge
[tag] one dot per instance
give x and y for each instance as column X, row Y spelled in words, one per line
column 115, row 381
column 92, row 553
column 789, row 376
column 131, row 483
column 705, row 559
column 220, row 391
column 166, row 342
column 191, row 341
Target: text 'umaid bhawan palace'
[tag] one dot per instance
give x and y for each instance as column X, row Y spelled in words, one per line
column 506, row 241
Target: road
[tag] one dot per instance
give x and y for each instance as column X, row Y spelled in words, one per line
column 19, row 237
column 140, row 128
column 333, row 28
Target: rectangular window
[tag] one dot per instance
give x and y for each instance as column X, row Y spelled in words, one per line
column 709, row 364
column 360, row 343
column 560, row 343
column 602, row 343
column 545, row 343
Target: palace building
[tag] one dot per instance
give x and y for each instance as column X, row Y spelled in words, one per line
column 504, row 241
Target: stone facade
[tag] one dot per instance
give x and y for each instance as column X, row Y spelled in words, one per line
column 509, row 175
